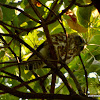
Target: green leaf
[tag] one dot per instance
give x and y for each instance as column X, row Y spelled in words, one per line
column 95, row 67
column 83, row 15
column 2, row 1
column 66, row 2
column 93, row 85
column 22, row 18
column 53, row 26
column 16, row 21
column 2, row 53
column 62, row 89
column 8, row 14
column 57, row 30
column 34, row 38
column 95, row 40
column 89, row 62
column 95, row 47
column 37, row 84
column 15, row 4
column 8, row 97
column 97, row 57
column 40, row 34
column 42, row 71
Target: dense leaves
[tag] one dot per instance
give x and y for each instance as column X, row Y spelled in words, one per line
column 26, row 24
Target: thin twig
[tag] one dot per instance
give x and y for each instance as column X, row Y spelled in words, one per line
column 63, row 11
column 19, row 79
column 40, row 81
column 60, row 74
column 86, row 77
column 8, row 62
column 52, row 8
column 35, row 10
column 16, row 57
column 2, row 76
column 8, row 47
column 19, row 28
column 42, row 58
column 30, row 81
column 52, row 12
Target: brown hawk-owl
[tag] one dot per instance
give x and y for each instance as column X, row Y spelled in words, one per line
column 65, row 49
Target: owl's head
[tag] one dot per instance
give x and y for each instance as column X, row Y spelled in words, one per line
column 79, row 42
column 76, row 43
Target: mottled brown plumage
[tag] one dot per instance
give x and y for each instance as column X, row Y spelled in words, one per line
column 65, row 49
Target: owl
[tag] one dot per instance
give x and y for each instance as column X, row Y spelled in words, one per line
column 66, row 47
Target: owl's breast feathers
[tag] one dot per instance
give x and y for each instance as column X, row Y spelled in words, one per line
column 66, row 49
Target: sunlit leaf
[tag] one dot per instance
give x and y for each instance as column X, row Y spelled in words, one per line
column 2, row 53
column 76, row 26
column 14, row 53
column 8, row 14
column 84, row 14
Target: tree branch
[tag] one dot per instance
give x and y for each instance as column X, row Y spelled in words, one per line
column 27, row 15
column 86, row 77
column 51, row 10
column 52, row 49
column 20, row 28
column 19, row 79
column 35, row 10
column 33, row 80
column 8, row 47
column 43, row 59
column 73, row 77
column 63, row 11
column 40, row 95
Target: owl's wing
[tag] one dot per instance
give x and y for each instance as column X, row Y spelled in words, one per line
column 45, row 51
column 35, row 61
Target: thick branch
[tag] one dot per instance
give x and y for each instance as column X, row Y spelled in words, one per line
column 52, row 49
column 40, row 95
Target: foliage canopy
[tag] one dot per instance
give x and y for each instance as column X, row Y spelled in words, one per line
column 26, row 24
